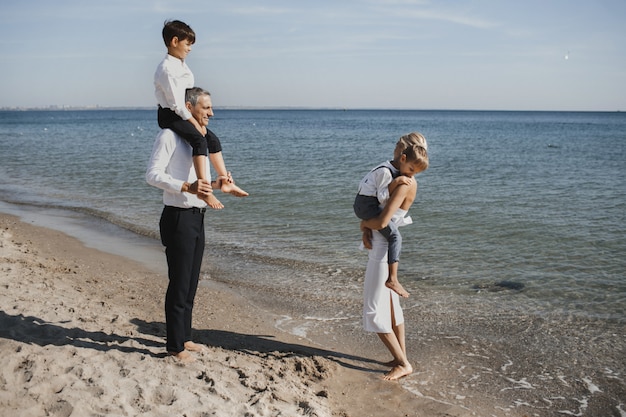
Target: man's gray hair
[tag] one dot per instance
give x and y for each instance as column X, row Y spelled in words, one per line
column 194, row 93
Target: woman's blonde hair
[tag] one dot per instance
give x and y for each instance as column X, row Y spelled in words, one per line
column 414, row 146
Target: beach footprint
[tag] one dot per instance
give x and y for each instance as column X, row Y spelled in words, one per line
column 164, row 396
column 60, row 408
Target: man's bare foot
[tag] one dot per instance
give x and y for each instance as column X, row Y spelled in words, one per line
column 398, row 372
column 194, row 347
column 183, row 357
column 213, row 202
column 233, row 189
column 397, row 287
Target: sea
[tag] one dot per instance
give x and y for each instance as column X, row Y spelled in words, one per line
column 518, row 212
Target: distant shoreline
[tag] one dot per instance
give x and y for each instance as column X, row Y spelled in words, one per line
column 290, row 108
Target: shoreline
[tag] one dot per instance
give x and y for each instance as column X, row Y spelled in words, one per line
column 83, row 335
column 470, row 360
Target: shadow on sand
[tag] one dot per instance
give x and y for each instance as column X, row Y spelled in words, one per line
column 33, row 330
column 258, row 345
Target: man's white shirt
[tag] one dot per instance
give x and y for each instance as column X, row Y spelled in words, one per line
column 170, row 166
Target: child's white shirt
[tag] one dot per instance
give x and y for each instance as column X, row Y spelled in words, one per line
column 171, row 79
column 376, row 182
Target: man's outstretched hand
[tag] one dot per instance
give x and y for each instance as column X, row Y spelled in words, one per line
column 201, row 187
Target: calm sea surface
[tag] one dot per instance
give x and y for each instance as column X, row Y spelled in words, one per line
column 532, row 202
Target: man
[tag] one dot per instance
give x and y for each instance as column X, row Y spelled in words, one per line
column 182, row 223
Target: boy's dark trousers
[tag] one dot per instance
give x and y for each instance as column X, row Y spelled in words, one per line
column 169, row 120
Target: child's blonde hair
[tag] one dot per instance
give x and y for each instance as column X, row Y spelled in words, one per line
column 414, row 146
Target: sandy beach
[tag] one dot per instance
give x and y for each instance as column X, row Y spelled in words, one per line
column 82, row 334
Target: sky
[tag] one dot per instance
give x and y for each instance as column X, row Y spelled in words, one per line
column 374, row 54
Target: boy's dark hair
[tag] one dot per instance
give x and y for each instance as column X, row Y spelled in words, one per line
column 176, row 28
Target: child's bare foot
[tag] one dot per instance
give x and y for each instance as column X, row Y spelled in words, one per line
column 397, row 372
column 213, row 202
column 194, row 347
column 397, row 287
column 183, row 357
column 233, row 189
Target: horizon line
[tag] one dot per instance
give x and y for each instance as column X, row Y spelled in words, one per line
column 337, row 108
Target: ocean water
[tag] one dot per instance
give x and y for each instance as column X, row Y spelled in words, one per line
column 516, row 260
column 532, row 199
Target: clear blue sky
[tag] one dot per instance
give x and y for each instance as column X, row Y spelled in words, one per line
column 417, row 54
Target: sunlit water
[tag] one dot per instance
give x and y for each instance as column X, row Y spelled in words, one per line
column 536, row 199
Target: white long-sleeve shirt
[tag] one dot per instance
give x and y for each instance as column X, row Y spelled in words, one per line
column 171, row 78
column 170, row 166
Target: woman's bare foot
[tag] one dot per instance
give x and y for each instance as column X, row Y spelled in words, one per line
column 213, row 202
column 194, row 347
column 391, row 363
column 397, row 372
column 233, row 189
column 183, row 357
column 397, row 287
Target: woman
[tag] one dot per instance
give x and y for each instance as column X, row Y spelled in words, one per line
column 382, row 313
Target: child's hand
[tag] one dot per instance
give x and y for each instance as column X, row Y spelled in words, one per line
column 403, row 180
column 366, row 237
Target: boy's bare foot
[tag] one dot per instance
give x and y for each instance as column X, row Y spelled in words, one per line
column 398, row 372
column 233, row 189
column 397, row 287
column 213, row 202
column 194, row 347
column 183, row 357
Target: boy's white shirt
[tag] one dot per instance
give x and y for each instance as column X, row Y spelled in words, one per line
column 171, row 78
column 376, row 182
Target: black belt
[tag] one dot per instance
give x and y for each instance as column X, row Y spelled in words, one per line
column 200, row 210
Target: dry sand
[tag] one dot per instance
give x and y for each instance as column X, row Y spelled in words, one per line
column 82, row 334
